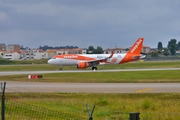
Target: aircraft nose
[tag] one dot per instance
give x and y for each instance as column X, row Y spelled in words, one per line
column 49, row 61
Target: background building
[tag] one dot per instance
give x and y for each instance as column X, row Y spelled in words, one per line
column 116, row 51
column 12, row 56
column 12, row 47
column 2, row 47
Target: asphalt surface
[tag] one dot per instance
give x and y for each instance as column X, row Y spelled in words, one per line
column 12, row 86
column 93, row 87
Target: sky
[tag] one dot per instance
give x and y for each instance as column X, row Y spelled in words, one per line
column 84, row 23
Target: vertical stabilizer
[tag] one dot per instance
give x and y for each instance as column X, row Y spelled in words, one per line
column 137, row 47
column 134, row 51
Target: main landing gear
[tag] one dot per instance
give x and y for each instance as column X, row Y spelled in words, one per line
column 94, row 68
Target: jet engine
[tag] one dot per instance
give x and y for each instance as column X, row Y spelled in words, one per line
column 82, row 65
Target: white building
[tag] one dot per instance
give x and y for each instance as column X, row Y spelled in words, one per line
column 116, row 51
column 34, row 54
column 29, row 55
column 146, row 49
column 39, row 54
column 62, row 51
column 84, row 51
column 12, row 56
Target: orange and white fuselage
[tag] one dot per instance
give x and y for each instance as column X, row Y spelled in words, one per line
column 93, row 60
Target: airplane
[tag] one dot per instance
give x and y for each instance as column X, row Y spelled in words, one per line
column 93, row 60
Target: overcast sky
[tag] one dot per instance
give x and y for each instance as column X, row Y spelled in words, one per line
column 83, row 23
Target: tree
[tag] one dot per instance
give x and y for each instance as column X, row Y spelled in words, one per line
column 98, row 50
column 178, row 45
column 160, row 47
column 172, row 50
column 166, row 52
column 154, row 54
column 90, row 49
column 172, row 46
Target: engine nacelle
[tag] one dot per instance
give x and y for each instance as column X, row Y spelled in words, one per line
column 82, row 65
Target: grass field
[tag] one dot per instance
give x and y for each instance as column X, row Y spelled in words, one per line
column 161, row 106
column 104, row 77
column 154, row 106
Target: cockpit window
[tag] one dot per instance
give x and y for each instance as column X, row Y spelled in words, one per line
column 53, row 58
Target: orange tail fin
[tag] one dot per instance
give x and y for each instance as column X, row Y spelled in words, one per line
column 134, row 51
column 136, row 48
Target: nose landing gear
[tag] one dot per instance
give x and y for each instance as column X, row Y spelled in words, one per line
column 61, row 68
column 94, row 68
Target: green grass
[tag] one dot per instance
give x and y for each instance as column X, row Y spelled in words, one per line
column 107, row 105
column 104, row 77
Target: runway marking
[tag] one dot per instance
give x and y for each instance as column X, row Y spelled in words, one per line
column 144, row 90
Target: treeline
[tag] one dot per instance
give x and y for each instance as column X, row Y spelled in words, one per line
column 45, row 47
column 171, row 49
column 92, row 50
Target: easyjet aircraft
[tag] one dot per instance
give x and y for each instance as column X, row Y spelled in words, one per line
column 93, row 60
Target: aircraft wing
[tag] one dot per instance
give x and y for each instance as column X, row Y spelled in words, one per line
column 142, row 56
column 101, row 60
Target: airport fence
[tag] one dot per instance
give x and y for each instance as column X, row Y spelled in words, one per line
column 19, row 111
column 15, row 110
column 161, row 58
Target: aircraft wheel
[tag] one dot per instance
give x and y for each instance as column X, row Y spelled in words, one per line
column 94, row 68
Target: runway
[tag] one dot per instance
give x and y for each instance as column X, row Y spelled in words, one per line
column 90, row 87
column 24, row 87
